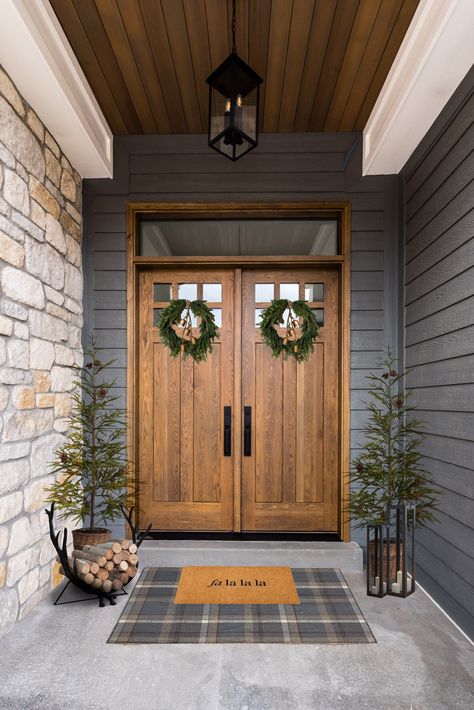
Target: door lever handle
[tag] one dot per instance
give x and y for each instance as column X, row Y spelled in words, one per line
column 247, row 431
column 227, row 431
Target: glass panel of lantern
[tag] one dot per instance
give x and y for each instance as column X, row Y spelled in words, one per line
column 233, row 108
column 377, row 560
column 401, row 550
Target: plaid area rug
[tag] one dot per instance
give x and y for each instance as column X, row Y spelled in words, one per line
column 328, row 613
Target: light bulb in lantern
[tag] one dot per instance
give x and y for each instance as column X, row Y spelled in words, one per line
column 227, row 109
column 238, row 111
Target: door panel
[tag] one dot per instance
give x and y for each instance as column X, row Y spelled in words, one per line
column 290, row 480
column 186, row 483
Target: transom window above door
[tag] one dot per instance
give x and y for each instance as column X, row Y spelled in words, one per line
column 250, row 237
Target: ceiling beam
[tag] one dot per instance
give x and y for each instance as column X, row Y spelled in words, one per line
column 435, row 55
column 38, row 57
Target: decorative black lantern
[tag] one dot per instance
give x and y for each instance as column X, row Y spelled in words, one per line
column 391, row 554
column 234, row 90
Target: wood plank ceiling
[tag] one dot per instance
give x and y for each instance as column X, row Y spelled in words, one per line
column 323, row 61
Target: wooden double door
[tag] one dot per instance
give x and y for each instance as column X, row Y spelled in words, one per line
column 243, row 441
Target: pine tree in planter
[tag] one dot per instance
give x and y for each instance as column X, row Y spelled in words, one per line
column 388, row 472
column 94, row 478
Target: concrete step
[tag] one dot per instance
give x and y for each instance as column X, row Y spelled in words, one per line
column 347, row 556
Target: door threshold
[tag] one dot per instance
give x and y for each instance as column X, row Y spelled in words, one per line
column 257, row 536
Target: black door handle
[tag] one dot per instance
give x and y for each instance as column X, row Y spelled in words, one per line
column 227, row 431
column 247, row 431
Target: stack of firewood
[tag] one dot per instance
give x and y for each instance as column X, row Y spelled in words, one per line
column 107, row 566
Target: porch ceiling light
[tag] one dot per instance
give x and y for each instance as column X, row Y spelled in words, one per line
column 234, row 89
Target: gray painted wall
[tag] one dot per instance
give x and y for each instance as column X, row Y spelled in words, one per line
column 438, row 190
column 285, row 167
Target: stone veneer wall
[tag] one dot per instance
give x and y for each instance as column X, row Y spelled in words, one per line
column 40, row 338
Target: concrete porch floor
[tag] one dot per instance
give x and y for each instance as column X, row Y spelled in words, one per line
column 57, row 657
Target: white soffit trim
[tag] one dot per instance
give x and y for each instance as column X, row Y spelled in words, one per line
column 435, row 55
column 36, row 53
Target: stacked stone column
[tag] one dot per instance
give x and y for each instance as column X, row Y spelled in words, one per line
column 40, row 340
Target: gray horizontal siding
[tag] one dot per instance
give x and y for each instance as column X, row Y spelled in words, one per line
column 285, row 167
column 439, row 342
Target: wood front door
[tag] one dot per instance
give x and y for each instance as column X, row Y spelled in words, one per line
column 185, row 481
column 283, row 470
column 290, row 477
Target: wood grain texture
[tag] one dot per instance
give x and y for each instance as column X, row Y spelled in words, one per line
column 268, row 420
column 207, row 433
column 152, row 14
column 323, row 62
column 310, row 428
column 167, row 427
column 355, row 50
column 117, row 35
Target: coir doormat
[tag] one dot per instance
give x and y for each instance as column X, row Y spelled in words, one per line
column 327, row 613
column 236, row 585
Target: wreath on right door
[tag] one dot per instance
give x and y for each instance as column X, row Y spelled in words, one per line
column 296, row 336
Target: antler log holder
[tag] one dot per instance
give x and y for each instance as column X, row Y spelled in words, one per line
column 71, row 572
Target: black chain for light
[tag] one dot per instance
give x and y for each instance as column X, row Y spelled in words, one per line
column 234, row 25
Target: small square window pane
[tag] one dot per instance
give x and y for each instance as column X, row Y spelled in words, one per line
column 161, row 292
column 319, row 313
column 314, row 292
column 264, row 293
column 217, row 313
column 188, row 291
column 258, row 315
column 156, row 316
column 212, row 293
column 290, row 291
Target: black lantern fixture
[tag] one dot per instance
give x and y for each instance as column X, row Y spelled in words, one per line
column 233, row 104
column 391, row 554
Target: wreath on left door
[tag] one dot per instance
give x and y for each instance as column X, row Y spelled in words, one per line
column 177, row 332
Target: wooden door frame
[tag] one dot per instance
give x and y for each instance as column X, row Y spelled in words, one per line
column 233, row 210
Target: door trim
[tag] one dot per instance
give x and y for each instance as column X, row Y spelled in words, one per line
column 232, row 210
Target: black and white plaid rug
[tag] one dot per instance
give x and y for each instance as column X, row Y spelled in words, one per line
column 328, row 613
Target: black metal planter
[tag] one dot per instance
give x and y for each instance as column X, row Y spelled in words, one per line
column 391, row 554
column 70, row 573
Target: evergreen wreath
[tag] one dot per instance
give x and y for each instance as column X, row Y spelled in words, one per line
column 197, row 348
column 299, row 348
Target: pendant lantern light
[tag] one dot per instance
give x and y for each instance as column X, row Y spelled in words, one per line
column 234, row 89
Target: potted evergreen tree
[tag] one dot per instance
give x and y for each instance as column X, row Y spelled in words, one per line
column 389, row 472
column 94, row 478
